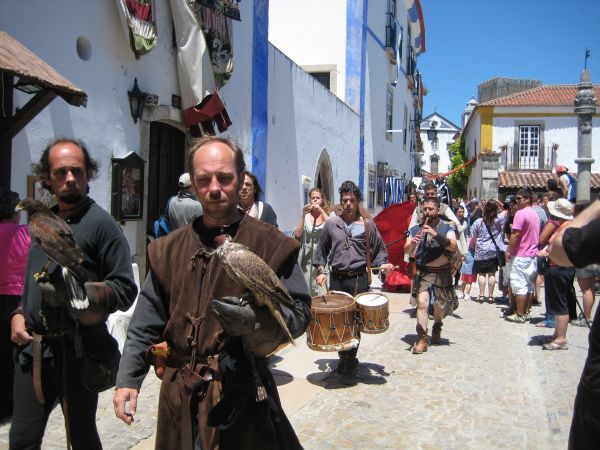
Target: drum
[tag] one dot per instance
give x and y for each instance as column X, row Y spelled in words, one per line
column 373, row 312
column 332, row 327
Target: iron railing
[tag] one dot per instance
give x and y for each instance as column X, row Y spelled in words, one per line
column 513, row 159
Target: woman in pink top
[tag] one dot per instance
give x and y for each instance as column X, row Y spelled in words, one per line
column 14, row 246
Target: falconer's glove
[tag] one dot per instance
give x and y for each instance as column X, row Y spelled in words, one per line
column 254, row 324
column 54, row 289
column 90, row 303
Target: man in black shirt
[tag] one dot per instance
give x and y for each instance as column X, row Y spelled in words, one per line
column 53, row 332
column 578, row 244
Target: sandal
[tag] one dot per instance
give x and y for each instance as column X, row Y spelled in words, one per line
column 481, row 299
column 555, row 346
column 545, row 324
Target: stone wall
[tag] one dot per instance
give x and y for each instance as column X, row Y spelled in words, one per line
column 500, row 87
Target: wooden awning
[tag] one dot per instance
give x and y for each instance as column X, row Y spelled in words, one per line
column 18, row 60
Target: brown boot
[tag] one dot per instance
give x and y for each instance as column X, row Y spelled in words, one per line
column 436, row 333
column 421, row 345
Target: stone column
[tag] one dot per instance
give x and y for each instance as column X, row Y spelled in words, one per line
column 585, row 107
column 490, row 164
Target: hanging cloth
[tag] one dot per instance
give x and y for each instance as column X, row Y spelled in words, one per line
column 136, row 19
column 204, row 64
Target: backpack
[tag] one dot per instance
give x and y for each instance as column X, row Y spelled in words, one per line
column 161, row 225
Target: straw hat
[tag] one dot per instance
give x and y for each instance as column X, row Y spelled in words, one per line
column 561, row 208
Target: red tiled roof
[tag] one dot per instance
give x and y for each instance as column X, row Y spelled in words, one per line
column 546, row 95
column 534, row 180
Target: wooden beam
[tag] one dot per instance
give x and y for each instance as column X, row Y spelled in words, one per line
column 26, row 114
column 6, row 107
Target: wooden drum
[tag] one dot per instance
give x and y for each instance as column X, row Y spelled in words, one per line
column 373, row 311
column 332, row 327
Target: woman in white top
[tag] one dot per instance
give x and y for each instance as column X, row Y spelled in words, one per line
column 308, row 231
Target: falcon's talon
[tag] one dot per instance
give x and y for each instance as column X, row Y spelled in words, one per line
column 41, row 277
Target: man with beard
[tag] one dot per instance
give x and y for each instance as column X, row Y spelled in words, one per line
column 350, row 243
column 56, row 338
column 209, row 394
column 433, row 242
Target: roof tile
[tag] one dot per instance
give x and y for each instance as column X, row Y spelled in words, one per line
column 534, row 180
column 546, row 95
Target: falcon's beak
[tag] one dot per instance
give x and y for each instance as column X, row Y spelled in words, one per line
column 19, row 207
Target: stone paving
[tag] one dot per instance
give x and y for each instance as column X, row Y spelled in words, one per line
column 488, row 386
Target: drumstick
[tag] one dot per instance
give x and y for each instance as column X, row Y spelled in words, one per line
column 380, row 267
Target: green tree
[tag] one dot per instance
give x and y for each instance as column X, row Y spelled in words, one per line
column 458, row 180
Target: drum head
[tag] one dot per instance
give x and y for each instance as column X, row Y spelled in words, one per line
column 371, row 299
column 332, row 300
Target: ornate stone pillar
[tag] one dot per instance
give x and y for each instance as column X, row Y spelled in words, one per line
column 585, row 107
column 490, row 164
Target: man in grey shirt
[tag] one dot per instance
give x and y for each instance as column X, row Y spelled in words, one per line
column 184, row 207
column 343, row 241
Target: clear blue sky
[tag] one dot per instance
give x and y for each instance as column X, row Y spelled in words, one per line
column 470, row 41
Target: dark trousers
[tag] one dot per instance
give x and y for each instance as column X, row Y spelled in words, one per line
column 30, row 416
column 353, row 286
column 8, row 303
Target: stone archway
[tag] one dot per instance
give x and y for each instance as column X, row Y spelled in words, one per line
column 324, row 176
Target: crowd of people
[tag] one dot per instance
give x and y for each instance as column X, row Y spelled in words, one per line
column 209, row 340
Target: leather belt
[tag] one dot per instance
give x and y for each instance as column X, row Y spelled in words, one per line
column 429, row 269
column 347, row 273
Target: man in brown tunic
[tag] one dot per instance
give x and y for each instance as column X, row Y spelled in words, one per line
column 208, row 393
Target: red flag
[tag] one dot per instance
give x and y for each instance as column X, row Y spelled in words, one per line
column 393, row 223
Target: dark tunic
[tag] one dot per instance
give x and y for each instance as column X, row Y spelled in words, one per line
column 183, row 278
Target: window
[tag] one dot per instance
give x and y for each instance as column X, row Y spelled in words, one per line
column 529, row 146
column 371, row 196
column 323, row 77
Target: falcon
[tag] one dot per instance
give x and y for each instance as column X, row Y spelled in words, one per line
column 55, row 238
column 246, row 268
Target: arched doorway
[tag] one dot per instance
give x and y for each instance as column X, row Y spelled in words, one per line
column 324, row 176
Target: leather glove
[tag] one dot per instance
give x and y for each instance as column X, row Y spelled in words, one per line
column 235, row 315
column 258, row 328
column 90, row 303
column 54, row 290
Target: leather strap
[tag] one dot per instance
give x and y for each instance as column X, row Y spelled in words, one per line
column 37, row 368
column 368, row 244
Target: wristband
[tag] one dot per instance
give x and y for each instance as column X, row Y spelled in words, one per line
column 442, row 240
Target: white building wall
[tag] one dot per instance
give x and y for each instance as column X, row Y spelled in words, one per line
column 311, row 32
column 471, row 137
column 444, row 138
column 106, row 124
column 304, row 119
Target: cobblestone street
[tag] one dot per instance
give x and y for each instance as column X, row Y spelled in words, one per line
column 489, row 386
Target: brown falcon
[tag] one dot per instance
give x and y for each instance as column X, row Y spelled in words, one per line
column 246, row 268
column 54, row 237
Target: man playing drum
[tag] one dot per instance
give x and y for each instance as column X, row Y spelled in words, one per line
column 351, row 242
column 435, row 241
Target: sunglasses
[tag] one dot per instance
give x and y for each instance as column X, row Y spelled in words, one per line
column 518, row 197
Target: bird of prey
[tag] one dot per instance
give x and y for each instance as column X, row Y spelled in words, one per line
column 246, row 268
column 55, row 238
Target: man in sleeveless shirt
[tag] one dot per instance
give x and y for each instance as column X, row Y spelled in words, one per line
column 432, row 242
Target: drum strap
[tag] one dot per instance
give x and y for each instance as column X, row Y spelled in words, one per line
column 368, row 245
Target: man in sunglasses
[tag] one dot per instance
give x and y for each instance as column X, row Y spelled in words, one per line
column 522, row 250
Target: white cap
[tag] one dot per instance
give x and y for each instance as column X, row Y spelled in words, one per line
column 184, row 180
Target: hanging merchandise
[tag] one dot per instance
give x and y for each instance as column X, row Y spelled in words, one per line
column 204, row 61
column 136, row 18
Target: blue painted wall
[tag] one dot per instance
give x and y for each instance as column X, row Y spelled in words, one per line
column 260, row 85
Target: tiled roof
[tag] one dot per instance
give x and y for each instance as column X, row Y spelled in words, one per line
column 547, row 95
column 534, row 180
column 18, row 60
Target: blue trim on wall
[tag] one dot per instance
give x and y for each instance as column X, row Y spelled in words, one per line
column 363, row 80
column 260, row 85
column 413, row 14
column 353, row 54
column 376, row 38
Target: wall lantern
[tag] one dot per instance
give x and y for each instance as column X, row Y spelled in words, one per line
column 137, row 99
column 28, row 86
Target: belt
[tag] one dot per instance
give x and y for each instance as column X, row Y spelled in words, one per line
column 429, row 269
column 347, row 273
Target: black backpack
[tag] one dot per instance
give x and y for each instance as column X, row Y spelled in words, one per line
column 161, row 225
